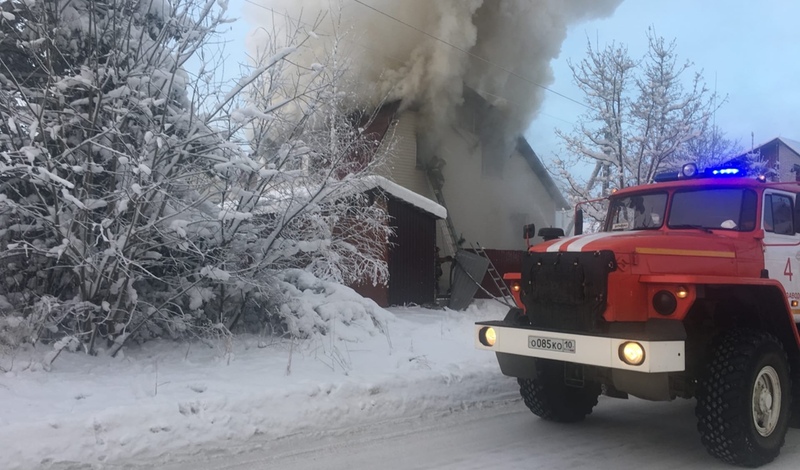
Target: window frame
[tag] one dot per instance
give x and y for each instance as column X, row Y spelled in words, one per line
column 787, row 227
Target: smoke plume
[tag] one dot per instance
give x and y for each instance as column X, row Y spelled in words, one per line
column 433, row 49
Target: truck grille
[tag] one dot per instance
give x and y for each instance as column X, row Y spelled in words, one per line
column 567, row 291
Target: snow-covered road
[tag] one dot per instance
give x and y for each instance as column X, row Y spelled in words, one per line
column 420, row 396
column 620, row 434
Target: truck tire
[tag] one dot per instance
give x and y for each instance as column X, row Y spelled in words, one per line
column 548, row 397
column 744, row 400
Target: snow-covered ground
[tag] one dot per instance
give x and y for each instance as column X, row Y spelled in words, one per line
column 420, row 390
column 169, row 399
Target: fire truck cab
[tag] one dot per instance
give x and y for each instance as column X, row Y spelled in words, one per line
column 690, row 289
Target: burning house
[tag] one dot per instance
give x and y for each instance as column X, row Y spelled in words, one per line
column 464, row 79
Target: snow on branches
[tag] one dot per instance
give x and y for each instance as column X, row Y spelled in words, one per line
column 138, row 199
column 641, row 117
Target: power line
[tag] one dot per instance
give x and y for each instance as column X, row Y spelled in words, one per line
column 471, row 54
column 555, row 117
column 272, row 10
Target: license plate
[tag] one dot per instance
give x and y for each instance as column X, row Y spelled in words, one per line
column 552, row 344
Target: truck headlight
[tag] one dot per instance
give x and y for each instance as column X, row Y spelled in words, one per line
column 632, row 353
column 487, row 336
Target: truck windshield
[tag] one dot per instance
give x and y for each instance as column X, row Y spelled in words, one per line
column 718, row 208
column 638, row 212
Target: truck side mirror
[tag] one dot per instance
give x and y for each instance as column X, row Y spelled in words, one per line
column 578, row 221
column 528, row 231
column 551, row 233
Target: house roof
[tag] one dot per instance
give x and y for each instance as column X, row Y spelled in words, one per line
column 406, row 195
column 524, row 148
column 792, row 145
column 488, row 124
column 276, row 201
column 378, row 126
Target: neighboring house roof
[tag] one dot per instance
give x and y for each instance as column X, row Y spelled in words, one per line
column 792, row 145
column 770, row 152
column 406, row 195
column 524, row 148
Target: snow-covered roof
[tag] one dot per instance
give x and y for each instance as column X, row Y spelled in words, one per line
column 276, row 200
column 406, row 195
column 792, row 144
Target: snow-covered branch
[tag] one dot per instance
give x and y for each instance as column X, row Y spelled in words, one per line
column 140, row 200
column 642, row 117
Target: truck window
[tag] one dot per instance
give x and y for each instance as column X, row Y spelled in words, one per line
column 716, row 208
column 638, row 212
column 778, row 214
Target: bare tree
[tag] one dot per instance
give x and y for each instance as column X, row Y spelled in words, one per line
column 710, row 148
column 640, row 117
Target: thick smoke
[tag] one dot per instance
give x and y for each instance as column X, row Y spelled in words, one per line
column 490, row 44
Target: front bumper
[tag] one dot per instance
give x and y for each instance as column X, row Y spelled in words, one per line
column 601, row 351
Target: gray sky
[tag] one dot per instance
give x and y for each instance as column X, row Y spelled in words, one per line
column 750, row 49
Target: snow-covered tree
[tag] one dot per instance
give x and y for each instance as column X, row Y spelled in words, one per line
column 640, row 116
column 132, row 202
column 710, row 148
column 305, row 194
column 98, row 139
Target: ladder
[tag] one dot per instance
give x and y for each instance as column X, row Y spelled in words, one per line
column 505, row 293
column 450, row 236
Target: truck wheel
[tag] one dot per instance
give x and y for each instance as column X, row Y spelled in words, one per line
column 550, row 398
column 744, row 401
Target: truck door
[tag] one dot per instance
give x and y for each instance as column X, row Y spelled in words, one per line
column 781, row 243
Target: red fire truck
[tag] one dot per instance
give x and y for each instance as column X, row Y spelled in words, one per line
column 690, row 289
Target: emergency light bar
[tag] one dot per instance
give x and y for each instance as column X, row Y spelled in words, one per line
column 690, row 170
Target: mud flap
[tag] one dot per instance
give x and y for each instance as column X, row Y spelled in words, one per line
column 514, row 365
column 516, row 317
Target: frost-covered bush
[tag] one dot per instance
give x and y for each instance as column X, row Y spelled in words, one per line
column 320, row 308
column 140, row 201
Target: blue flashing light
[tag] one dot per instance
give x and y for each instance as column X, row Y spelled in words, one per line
column 725, row 171
column 690, row 171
